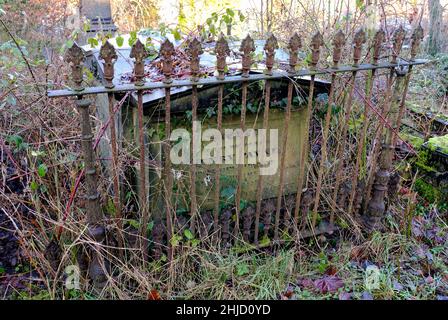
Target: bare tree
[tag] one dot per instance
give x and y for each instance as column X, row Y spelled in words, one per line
column 435, row 27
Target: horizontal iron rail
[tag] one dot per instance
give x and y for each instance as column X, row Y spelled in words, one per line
column 230, row 79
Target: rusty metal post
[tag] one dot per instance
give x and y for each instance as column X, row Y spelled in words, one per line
column 270, row 46
column 75, row 57
column 139, row 53
column 247, row 47
column 359, row 40
column 316, row 43
column 376, row 205
column 94, row 215
column 194, row 50
column 222, row 51
column 417, row 37
column 167, row 52
column 398, row 39
column 338, row 42
column 376, row 50
column 109, row 55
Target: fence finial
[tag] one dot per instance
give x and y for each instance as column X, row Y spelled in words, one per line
column 316, row 42
column 109, row 55
column 75, row 57
column 338, row 43
column 139, row 53
column 166, row 52
column 222, row 51
column 359, row 40
column 269, row 48
column 398, row 39
column 194, row 49
column 247, row 47
column 377, row 44
column 417, row 37
column 294, row 44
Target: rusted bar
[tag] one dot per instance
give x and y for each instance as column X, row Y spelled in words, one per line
column 94, row 215
column 96, row 229
column 338, row 42
column 75, row 57
column 230, row 79
column 359, row 40
column 270, row 46
column 316, row 43
column 222, row 51
column 247, row 47
column 194, row 49
column 139, row 53
column 248, row 216
column 376, row 51
column 417, row 37
column 166, row 52
column 109, row 55
column 376, row 205
column 398, row 39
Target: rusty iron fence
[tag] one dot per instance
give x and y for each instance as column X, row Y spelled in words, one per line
column 362, row 199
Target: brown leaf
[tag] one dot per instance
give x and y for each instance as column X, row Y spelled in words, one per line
column 328, row 284
column 154, row 295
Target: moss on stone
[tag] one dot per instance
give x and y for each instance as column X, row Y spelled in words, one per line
column 422, row 161
column 427, row 191
column 438, row 144
column 415, row 141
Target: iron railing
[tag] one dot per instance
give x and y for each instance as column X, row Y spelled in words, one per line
column 346, row 196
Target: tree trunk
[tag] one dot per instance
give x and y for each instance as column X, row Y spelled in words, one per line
column 434, row 44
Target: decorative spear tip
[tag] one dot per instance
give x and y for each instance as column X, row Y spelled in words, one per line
column 138, row 50
column 194, row 47
column 339, row 38
column 379, row 35
column 418, row 33
column 271, row 43
column 74, row 54
column 399, row 34
column 317, row 39
column 294, row 42
column 360, row 37
column 247, row 45
column 167, row 48
column 222, row 47
column 108, row 51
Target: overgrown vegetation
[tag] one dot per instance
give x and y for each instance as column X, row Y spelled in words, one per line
column 42, row 217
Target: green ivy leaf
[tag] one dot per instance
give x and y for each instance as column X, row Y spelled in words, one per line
column 241, row 16
column 42, row 170
column 188, row 234
column 176, row 34
column 132, row 38
column 34, row 186
column 175, row 240
column 93, row 42
column 120, row 41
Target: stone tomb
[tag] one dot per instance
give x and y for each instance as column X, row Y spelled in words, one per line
column 207, row 96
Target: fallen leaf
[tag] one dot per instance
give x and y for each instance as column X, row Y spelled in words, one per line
column 366, row 296
column 328, row 284
column 154, row 295
column 397, row 286
column 345, row 296
column 331, row 270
